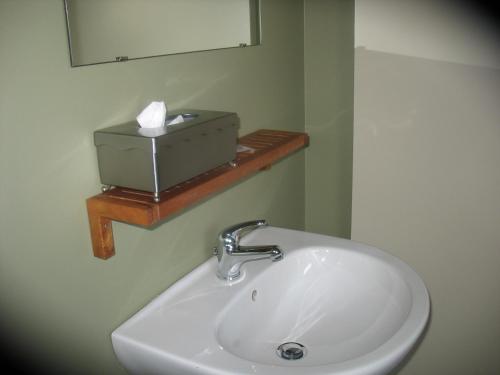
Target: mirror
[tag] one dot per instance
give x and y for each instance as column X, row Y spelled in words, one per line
column 101, row 31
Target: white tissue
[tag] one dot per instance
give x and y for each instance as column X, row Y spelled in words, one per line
column 153, row 116
column 177, row 120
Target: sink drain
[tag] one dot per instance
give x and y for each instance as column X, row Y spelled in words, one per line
column 291, row 351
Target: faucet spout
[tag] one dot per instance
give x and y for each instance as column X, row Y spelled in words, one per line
column 231, row 255
column 257, row 252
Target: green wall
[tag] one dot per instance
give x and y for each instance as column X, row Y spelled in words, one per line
column 59, row 303
column 329, row 90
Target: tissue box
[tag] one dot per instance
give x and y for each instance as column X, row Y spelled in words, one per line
column 158, row 158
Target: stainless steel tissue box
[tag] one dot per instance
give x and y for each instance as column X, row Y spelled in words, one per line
column 156, row 159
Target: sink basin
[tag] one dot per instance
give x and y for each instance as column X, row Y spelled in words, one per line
column 345, row 307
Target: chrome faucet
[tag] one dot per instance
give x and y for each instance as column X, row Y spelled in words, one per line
column 231, row 255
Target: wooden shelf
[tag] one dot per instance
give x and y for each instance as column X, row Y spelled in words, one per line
column 139, row 208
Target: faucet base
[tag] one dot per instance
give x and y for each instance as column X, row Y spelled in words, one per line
column 229, row 277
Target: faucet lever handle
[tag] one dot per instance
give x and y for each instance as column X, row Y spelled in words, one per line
column 235, row 232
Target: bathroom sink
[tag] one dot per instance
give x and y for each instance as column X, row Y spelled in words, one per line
column 339, row 307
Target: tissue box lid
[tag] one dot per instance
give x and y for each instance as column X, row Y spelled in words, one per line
column 192, row 118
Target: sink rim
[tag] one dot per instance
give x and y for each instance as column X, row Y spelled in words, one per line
column 203, row 280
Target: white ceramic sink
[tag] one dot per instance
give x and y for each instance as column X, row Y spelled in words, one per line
column 355, row 309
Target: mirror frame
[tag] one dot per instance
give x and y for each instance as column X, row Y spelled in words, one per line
column 255, row 32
